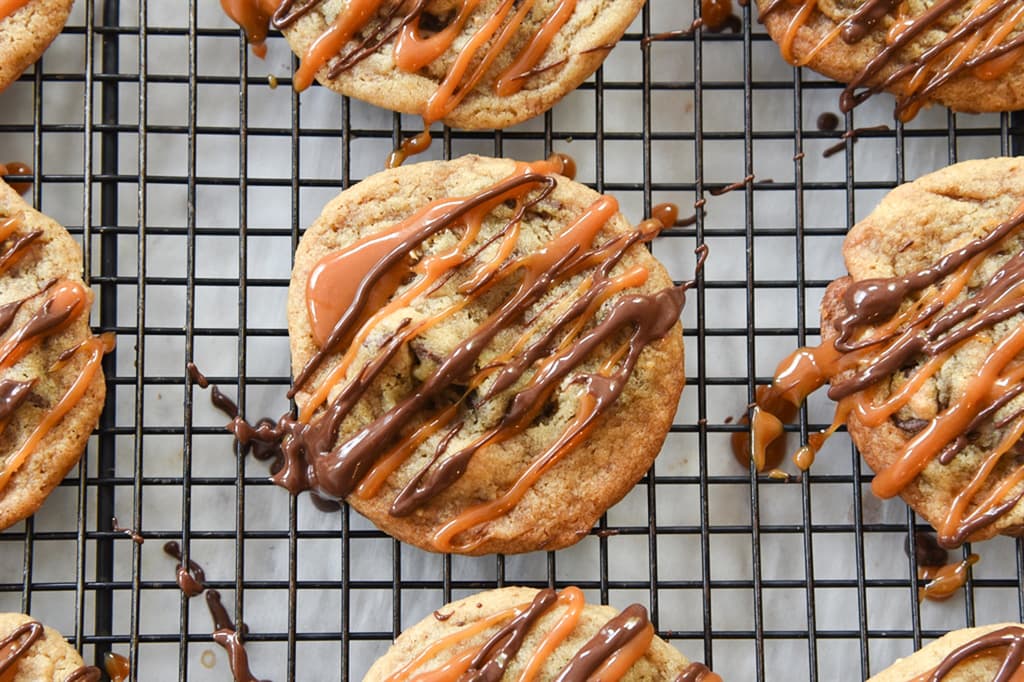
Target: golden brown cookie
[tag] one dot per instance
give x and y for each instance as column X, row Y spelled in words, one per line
column 474, row 64
column 51, row 383
column 966, row 55
column 543, row 634
column 486, row 355
column 31, row 652
column 923, row 345
column 26, row 30
column 968, row 655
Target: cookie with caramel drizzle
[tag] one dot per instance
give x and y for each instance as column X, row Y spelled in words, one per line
column 923, row 345
column 33, row 652
column 27, row 27
column 966, row 54
column 486, row 355
column 51, row 383
column 993, row 653
column 468, row 63
column 519, row 633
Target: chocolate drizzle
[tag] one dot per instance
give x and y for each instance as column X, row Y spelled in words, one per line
column 306, row 453
column 969, row 47
column 1011, row 638
column 614, row 635
column 493, row 658
column 225, row 633
column 12, row 394
column 14, row 645
column 191, row 580
column 16, row 250
column 87, row 673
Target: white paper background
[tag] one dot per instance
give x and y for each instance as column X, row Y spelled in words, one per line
column 842, row 604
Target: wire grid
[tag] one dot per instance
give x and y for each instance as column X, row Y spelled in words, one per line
column 189, row 178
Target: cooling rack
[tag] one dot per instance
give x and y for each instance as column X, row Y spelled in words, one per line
column 188, row 169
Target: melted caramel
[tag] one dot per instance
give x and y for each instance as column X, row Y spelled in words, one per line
column 944, row 581
column 982, row 43
column 352, row 292
column 916, row 317
column 117, row 666
column 369, row 24
column 9, row 7
column 17, row 168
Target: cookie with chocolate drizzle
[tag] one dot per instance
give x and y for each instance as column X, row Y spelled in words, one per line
column 993, row 653
column 486, row 355
column 32, row 652
column 28, row 27
column 468, row 63
column 519, row 633
column 51, row 383
column 966, row 54
column 923, row 345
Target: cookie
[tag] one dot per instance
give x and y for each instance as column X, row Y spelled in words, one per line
column 968, row 655
column 32, row 652
column 522, row 633
column 966, row 55
column 27, row 27
column 475, row 64
column 923, row 343
column 486, row 356
column 51, row 383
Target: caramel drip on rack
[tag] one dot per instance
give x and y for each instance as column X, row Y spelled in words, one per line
column 118, row 667
column 980, row 45
column 17, row 168
column 942, row 582
column 14, row 645
column 609, row 654
column 254, row 18
column 894, row 322
column 352, row 291
column 1010, row 638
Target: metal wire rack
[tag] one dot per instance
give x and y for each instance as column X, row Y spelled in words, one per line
column 188, row 176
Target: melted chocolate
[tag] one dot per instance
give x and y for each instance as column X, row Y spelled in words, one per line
column 14, row 645
column 493, row 658
column 1011, row 637
column 135, row 536
column 47, row 319
column 230, row 638
column 927, row 550
column 12, row 394
column 226, row 634
column 851, row 135
column 614, row 635
column 827, row 122
column 191, row 580
column 306, row 454
column 17, row 248
column 88, row 673
column 865, row 18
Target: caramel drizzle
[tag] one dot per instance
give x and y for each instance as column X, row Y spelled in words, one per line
column 192, row 582
column 9, row 7
column 942, row 582
column 370, row 24
column 308, row 458
column 978, row 45
column 1011, row 638
column 14, row 645
column 932, row 328
column 609, row 654
column 698, row 672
